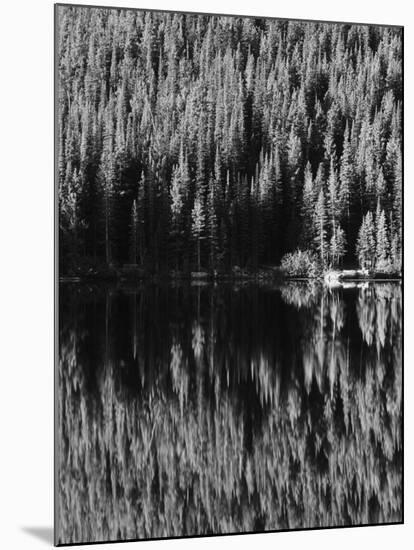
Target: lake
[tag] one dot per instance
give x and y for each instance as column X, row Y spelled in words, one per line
column 187, row 410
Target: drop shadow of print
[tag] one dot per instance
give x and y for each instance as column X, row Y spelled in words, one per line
column 44, row 534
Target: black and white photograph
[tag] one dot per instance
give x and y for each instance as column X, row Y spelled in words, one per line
column 229, row 272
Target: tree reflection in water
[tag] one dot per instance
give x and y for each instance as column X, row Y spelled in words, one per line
column 196, row 410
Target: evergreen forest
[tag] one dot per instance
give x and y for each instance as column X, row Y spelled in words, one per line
column 194, row 142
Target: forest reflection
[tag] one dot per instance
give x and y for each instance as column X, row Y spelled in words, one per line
column 218, row 409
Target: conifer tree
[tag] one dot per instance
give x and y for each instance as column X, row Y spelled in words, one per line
column 308, row 209
column 366, row 244
column 334, row 209
column 382, row 246
column 320, row 229
column 337, row 246
column 212, row 224
column 177, row 204
column 198, row 226
column 346, row 179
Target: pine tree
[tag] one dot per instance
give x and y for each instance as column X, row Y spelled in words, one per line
column 212, row 224
column 346, row 179
column 333, row 205
column 320, row 229
column 397, row 203
column 198, row 226
column 308, row 209
column 382, row 262
column 176, row 194
column 293, row 191
column 337, row 246
column 177, row 204
column 366, row 244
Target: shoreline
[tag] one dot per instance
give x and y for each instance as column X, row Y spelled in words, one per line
column 328, row 278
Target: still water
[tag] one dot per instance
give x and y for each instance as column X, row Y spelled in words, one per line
column 189, row 410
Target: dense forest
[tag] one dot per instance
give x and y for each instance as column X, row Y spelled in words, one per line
column 190, row 143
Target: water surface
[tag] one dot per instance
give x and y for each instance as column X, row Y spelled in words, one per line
column 187, row 410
